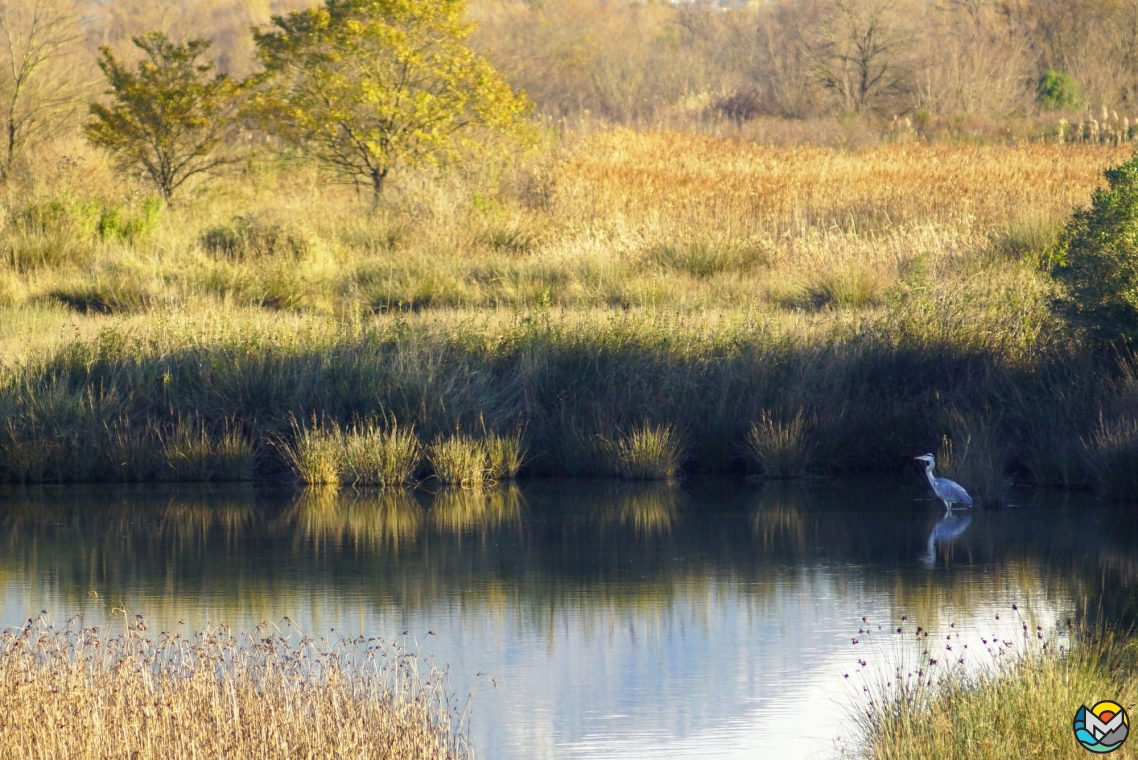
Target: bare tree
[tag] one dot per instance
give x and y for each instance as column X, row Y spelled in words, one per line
column 858, row 48
column 972, row 62
column 39, row 84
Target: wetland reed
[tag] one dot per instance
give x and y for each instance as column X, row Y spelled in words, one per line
column 88, row 692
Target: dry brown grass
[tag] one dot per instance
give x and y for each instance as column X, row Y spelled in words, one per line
column 90, row 693
column 614, row 218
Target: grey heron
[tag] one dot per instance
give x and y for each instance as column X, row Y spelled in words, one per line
column 948, row 491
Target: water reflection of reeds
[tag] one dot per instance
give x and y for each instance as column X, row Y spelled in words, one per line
column 328, row 518
column 778, row 519
column 191, row 522
column 649, row 511
column 459, row 510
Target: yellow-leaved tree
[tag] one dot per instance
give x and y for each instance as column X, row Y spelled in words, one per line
column 366, row 85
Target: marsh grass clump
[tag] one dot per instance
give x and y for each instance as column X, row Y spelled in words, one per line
column 463, row 460
column 255, row 237
column 707, row 258
column 374, row 456
column 975, row 456
column 505, row 455
column 191, row 454
column 647, row 452
column 459, row 460
column 849, row 287
column 134, row 454
column 1033, row 692
column 105, row 295
column 782, row 449
column 1112, row 456
column 94, row 693
column 317, row 454
column 1030, row 239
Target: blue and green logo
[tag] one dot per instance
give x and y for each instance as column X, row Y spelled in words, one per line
column 1103, row 728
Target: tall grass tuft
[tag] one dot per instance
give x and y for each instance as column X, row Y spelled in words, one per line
column 975, row 456
column 191, row 454
column 459, row 460
column 782, row 449
column 987, row 715
column 505, row 455
column 317, row 454
column 87, row 692
column 1112, row 456
column 374, row 456
column 648, row 452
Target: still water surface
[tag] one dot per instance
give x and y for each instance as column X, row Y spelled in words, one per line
column 608, row 620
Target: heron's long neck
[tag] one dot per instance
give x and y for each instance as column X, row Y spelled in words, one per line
column 929, row 474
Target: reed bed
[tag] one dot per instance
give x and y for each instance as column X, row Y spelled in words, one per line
column 86, row 692
column 1031, row 692
column 622, row 277
column 975, row 454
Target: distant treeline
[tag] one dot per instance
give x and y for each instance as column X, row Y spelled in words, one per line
column 804, row 59
column 800, row 59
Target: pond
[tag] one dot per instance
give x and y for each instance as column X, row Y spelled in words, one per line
column 596, row 619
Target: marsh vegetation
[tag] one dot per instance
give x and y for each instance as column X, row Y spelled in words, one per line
column 125, row 690
column 787, row 310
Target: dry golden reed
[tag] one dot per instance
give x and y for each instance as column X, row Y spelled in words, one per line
column 87, row 692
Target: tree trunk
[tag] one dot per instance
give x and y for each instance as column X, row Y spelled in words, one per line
column 377, row 177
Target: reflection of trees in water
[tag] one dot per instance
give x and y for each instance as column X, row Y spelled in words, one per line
column 465, row 510
column 328, row 518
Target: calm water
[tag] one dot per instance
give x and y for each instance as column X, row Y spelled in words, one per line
column 615, row 621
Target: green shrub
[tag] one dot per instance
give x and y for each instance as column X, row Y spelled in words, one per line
column 1097, row 258
column 1057, row 91
column 124, row 223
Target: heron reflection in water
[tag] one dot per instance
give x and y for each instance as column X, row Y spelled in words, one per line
column 948, row 528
